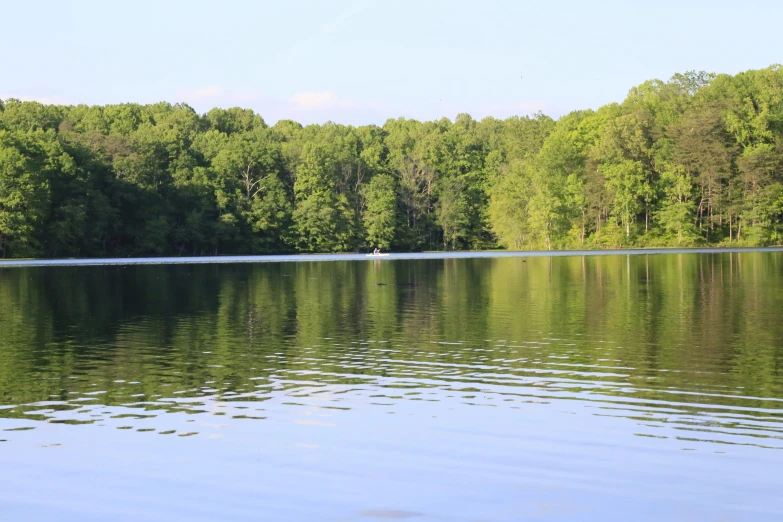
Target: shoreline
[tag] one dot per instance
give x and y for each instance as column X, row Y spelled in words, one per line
column 287, row 258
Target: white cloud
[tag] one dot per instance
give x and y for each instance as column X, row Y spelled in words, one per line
column 329, row 102
column 314, row 101
column 305, row 107
column 214, row 95
column 207, row 92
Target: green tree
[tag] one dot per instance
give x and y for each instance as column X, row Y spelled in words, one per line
column 626, row 182
column 508, row 207
column 452, row 211
column 694, row 159
column 322, row 216
column 380, row 211
column 677, row 213
column 24, row 194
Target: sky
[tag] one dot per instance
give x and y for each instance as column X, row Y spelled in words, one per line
column 364, row 61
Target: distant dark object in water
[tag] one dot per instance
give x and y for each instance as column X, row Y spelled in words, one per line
column 400, row 284
column 380, row 284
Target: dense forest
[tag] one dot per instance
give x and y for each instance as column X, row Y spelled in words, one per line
column 695, row 160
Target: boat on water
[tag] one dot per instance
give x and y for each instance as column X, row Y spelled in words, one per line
column 376, row 255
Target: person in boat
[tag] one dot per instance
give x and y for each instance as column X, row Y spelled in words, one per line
column 376, row 251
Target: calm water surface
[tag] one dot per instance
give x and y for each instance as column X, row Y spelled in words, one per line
column 643, row 387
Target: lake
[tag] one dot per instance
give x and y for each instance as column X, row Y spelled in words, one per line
column 644, row 387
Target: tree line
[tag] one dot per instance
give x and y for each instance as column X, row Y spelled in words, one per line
column 696, row 160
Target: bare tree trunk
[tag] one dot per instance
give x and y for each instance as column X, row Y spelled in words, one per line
column 250, row 183
column 730, row 231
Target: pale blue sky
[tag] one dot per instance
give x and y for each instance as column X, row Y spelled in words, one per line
column 363, row 61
